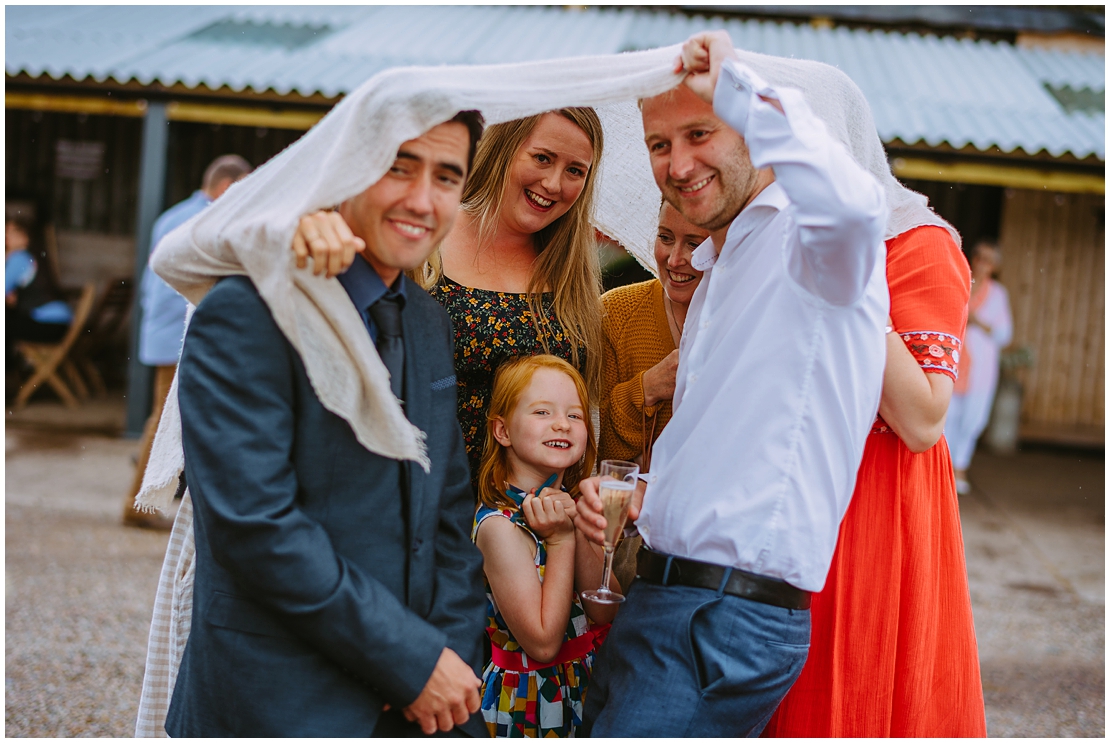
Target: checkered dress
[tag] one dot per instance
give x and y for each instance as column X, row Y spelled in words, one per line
column 544, row 703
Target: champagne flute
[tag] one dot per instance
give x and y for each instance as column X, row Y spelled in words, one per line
column 618, row 483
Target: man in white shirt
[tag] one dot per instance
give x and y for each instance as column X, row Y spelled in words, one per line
column 779, row 380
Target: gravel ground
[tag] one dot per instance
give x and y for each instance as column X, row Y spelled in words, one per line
column 80, row 588
column 1034, row 535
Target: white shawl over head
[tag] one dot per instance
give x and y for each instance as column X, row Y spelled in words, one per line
column 250, row 229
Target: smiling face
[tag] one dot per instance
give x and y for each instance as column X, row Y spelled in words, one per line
column 546, row 432
column 412, row 207
column 701, row 165
column 547, row 174
column 675, row 242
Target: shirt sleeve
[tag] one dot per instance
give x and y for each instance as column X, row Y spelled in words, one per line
column 839, row 208
column 930, row 284
column 19, row 271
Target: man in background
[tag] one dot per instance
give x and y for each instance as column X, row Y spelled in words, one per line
column 163, row 320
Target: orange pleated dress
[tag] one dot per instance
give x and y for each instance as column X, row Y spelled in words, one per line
column 893, row 650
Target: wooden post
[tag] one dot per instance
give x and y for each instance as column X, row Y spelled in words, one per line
column 152, row 190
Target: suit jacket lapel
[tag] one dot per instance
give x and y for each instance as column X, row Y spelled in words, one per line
column 417, row 391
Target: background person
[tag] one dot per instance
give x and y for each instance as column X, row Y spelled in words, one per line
column 989, row 329
column 163, row 321
column 34, row 310
column 519, row 274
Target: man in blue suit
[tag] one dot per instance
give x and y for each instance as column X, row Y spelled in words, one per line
column 337, row 591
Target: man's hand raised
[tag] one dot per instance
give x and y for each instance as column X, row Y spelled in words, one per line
column 701, row 57
column 449, row 698
column 589, row 520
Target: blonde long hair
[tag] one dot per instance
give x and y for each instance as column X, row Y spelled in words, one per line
column 509, row 383
column 567, row 261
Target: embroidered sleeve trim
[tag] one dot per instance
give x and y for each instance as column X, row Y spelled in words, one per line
column 938, row 353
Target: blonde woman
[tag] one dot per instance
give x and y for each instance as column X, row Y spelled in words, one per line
column 519, row 272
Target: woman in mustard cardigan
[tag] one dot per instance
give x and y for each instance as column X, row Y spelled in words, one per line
column 641, row 328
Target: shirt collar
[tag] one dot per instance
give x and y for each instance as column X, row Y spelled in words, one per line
column 202, row 197
column 772, row 197
column 365, row 287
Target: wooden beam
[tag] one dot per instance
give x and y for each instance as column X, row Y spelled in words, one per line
column 1035, row 179
column 103, row 106
column 208, row 113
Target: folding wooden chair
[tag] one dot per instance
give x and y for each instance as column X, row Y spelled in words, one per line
column 108, row 316
column 50, row 358
column 50, row 243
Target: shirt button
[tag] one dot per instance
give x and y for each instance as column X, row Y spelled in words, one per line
column 654, row 479
column 691, row 378
column 704, row 324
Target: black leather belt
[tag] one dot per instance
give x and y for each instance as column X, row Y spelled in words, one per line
column 652, row 567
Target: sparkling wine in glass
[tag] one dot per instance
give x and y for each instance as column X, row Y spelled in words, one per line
column 618, row 483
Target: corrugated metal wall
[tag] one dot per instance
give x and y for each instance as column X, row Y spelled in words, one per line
column 1054, row 268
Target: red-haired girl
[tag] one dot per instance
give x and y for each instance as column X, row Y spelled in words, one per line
column 539, row 444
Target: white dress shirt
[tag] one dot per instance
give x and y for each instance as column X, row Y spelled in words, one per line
column 781, row 361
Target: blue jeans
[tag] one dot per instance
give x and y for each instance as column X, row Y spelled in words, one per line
column 692, row 662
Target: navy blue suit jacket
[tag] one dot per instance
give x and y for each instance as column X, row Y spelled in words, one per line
column 328, row 579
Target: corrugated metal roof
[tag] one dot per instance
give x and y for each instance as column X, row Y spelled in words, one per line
column 922, row 88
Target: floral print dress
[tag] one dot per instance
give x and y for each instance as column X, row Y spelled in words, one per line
column 491, row 328
column 545, row 702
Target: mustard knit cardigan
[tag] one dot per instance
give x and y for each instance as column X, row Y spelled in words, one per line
column 636, row 338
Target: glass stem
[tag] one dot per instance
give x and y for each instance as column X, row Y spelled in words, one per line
column 607, row 572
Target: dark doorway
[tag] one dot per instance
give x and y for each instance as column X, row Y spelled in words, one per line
column 975, row 211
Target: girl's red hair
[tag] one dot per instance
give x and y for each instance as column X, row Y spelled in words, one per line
column 509, row 383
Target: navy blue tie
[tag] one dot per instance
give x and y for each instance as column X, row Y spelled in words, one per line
column 386, row 313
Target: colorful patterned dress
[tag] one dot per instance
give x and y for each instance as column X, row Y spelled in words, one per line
column 491, row 328
column 545, row 702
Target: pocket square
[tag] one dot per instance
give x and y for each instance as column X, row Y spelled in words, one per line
column 442, row 384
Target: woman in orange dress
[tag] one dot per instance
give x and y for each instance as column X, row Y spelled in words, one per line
column 893, row 650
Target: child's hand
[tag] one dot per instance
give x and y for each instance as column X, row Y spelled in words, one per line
column 547, row 515
column 569, row 505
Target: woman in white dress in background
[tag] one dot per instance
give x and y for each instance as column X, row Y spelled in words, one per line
column 989, row 330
